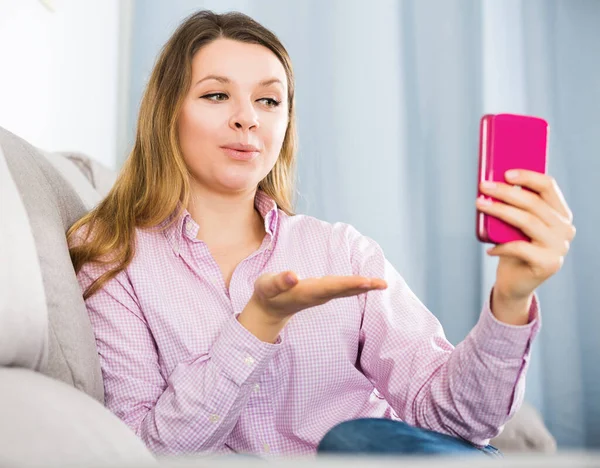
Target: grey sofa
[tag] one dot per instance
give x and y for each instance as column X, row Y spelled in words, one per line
column 51, row 392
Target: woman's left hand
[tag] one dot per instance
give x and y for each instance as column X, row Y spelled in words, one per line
column 544, row 217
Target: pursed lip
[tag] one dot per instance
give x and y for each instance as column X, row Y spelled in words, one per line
column 241, row 151
column 241, row 147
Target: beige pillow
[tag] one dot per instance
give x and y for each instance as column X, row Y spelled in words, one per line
column 52, row 205
column 23, row 313
column 525, row 432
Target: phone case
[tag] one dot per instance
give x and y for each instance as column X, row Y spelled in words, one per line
column 508, row 141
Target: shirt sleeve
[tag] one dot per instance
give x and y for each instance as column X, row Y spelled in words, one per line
column 469, row 391
column 195, row 408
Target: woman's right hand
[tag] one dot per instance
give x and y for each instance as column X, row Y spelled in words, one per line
column 277, row 297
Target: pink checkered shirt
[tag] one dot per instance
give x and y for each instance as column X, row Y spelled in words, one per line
column 186, row 376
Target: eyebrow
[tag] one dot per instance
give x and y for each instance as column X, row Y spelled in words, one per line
column 225, row 80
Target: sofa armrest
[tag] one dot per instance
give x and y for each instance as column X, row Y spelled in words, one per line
column 48, row 423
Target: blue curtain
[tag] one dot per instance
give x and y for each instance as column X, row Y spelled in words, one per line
column 389, row 96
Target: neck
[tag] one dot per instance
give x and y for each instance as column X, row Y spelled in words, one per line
column 226, row 219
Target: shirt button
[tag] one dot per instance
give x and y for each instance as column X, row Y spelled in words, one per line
column 176, row 249
column 214, row 418
column 249, row 361
column 189, row 228
column 266, row 448
column 256, row 387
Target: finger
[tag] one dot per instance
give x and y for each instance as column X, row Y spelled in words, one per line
column 530, row 224
column 543, row 261
column 376, row 285
column 528, row 201
column 379, row 283
column 543, row 184
column 329, row 287
column 354, row 292
column 271, row 285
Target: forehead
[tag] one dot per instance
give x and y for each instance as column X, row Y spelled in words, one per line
column 238, row 61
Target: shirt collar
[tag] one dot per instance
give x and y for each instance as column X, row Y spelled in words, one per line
column 267, row 208
column 176, row 230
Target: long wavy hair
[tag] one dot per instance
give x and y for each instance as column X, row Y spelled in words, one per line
column 153, row 184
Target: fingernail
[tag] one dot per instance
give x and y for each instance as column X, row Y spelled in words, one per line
column 365, row 286
column 483, row 201
column 512, row 174
column 489, row 185
column 289, row 279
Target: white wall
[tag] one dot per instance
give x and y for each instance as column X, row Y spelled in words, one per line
column 59, row 74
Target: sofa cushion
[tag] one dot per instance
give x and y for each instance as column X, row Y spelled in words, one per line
column 52, row 206
column 23, row 313
column 101, row 177
column 75, row 177
column 48, row 423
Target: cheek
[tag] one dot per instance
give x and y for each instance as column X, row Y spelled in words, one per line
column 276, row 135
column 193, row 125
column 196, row 132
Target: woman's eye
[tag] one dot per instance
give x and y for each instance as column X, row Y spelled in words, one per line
column 215, row 96
column 270, row 102
column 219, row 97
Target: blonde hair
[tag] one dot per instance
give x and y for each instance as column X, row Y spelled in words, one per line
column 154, row 181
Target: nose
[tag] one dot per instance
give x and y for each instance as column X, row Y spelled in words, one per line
column 244, row 118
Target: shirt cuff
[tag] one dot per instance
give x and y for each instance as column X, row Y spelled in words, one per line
column 240, row 355
column 503, row 340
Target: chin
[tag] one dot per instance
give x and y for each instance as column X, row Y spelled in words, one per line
column 238, row 184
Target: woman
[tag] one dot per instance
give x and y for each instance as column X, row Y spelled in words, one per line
column 225, row 323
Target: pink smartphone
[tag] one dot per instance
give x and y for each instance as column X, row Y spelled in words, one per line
column 508, row 141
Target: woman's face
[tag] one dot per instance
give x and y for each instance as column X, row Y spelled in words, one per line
column 234, row 117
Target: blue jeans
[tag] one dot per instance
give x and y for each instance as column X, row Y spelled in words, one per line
column 387, row 437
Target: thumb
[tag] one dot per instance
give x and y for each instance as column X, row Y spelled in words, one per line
column 271, row 285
